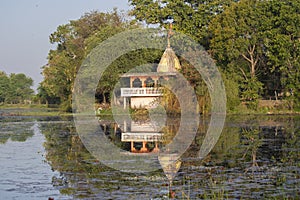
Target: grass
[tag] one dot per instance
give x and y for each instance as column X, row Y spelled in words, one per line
column 30, row 110
column 53, row 110
column 263, row 110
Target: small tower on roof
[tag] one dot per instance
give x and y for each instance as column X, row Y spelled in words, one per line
column 169, row 62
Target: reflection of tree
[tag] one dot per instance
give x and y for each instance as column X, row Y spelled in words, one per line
column 290, row 153
column 81, row 175
column 268, row 144
column 214, row 177
column 170, row 130
column 17, row 132
column 64, row 148
column 66, row 154
column 251, row 139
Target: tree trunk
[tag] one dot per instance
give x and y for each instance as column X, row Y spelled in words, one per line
column 252, row 60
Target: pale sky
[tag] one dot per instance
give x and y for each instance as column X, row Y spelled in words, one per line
column 25, row 26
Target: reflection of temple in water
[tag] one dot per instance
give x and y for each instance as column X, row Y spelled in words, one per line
column 143, row 137
column 134, row 136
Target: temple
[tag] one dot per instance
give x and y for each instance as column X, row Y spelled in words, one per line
column 145, row 88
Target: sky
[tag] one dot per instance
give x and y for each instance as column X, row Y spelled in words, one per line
column 25, row 27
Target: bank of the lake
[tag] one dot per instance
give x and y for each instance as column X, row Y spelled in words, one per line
column 30, row 110
column 54, row 110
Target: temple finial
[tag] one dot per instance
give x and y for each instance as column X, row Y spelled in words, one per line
column 170, row 33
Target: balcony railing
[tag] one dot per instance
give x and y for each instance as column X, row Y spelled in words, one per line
column 141, row 137
column 141, row 92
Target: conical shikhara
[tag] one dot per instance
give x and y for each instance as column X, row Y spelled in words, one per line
column 169, row 62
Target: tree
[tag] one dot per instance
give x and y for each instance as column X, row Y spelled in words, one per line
column 4, row 85
column 74, row 41
column 15, row 88
column 237, row 37
column 283, row 45
column 19, row 88
column 259, row 40
column 188, row 16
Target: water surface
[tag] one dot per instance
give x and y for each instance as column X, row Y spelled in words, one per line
column 256, row 157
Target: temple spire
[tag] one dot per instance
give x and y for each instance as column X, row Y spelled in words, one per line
column 170, row 33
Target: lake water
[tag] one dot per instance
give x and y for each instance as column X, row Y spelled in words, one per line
column 256, row 157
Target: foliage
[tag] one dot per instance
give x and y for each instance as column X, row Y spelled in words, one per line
column 74, row 41
column 45, row 98
column 283, row 45
column 259, row 40
column 170, row 102
column 254, row 43
column 250, row 92
column 4, row 84
column 15, row 88
column 188, row 16
column 232, row 90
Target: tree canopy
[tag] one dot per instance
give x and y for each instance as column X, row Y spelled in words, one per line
column 191, row 17
column 74, row 42
column 254, row 43
column 259, row 41
column 15, row 88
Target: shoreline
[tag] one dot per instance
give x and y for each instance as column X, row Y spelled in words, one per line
column 43, row 110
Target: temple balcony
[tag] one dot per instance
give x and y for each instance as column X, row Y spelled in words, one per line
column 141, row 92
column 141, row 137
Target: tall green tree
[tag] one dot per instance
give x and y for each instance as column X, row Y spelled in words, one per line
column 259, row 41
column 282, row 45
column 74, row 41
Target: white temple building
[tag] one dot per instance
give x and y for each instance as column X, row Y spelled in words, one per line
column 145, row 87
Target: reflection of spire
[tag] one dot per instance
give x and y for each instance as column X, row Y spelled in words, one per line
column 170, row 164
column 170, row 33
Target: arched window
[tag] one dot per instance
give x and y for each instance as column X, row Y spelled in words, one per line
column 149, row 82
column 137, row 83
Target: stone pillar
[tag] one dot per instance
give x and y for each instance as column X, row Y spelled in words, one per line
column 125, row 126
column 155, row 79
column 144, row 148
column 143, row 79
column 131, row 82
column 115, row 128
column 125, row 102
column 132, row 149
column 156, row 149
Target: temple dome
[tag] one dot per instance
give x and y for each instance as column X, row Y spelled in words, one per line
column 169, row 62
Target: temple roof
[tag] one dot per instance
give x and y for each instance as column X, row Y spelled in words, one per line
column 169, row 62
